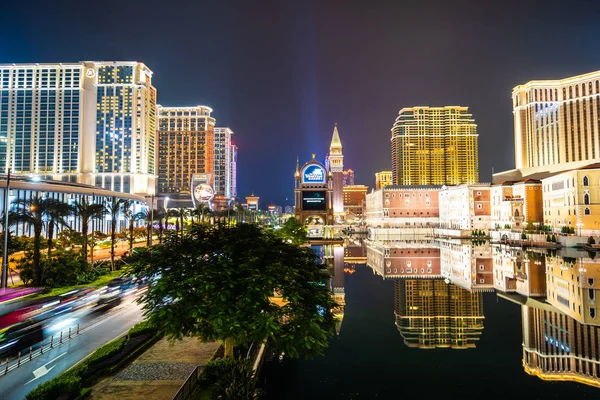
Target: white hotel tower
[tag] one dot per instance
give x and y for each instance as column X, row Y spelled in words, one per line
column 85, row 122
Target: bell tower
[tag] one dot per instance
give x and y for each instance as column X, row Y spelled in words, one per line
column 336, row 169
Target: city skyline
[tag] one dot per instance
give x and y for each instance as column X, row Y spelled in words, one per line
column 480, row 68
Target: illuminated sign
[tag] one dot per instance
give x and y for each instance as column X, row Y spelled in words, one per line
column 90, row 73
column 314, row 200
column 313, row 174
column 202, row 191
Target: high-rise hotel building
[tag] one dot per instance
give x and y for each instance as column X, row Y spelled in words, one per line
column 556, row 124
column 435, row 146
column 85, row 122
column 225, row 164
column 186, row 147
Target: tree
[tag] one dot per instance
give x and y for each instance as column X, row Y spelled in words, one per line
column 293, row 231
column 33, row 212
column 591, row 241
column 200, row 211
column 132, row 218
column 56, row 215
column 113, row 208
column 86, row 212
column 218, row 283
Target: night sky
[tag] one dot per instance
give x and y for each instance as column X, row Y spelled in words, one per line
column 280, row 73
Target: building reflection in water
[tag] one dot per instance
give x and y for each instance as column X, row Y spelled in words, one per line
column 561, row 329
column 340, row 260
column 439, row 285
column 432, row 313
column 439, row 303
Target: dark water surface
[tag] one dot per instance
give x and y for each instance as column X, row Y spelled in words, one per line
column 369, row 359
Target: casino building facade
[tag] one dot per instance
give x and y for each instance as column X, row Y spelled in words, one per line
column 313, row 197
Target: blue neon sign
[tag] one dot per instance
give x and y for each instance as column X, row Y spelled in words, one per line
column 313, row 174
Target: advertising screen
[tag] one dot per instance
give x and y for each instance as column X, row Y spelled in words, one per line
column 314, row 200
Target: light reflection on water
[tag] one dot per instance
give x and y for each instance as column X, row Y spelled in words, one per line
column 454, row 319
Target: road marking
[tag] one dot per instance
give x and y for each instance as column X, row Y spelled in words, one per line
column 41, row 371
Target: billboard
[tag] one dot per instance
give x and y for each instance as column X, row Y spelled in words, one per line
column 314, row 200
column 313, row 173
column 201, row 189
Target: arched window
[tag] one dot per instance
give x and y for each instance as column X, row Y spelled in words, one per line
column 587, row 211
column 586, row 181
column 586, row 199
column 516, row 213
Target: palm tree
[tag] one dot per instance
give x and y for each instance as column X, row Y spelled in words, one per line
column 149, row 216
column 161, row 216
column 201, row 210
column 86, row 212
column 138, row 216
column 32, row 212
column 56, row 215
column 113, row 208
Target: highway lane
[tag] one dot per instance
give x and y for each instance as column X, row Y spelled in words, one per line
column 103, row 328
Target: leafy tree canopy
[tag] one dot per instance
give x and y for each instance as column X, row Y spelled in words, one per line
column 292, row 230
column 218, row 282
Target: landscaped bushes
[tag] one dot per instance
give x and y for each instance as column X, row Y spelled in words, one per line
column 231, row 379
column 103, row 361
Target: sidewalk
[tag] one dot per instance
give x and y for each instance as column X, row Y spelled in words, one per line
column 158, row 373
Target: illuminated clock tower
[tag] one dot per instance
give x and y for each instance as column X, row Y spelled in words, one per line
column 336, row 169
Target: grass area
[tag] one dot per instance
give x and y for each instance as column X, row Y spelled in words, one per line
column 101, row 281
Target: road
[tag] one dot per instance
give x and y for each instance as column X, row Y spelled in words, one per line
column 96, row 332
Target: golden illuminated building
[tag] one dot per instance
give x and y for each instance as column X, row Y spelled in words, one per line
column 556, row 347
column 383, row 179
column 572, row 199
column 514, row 205
column 354, row 200
column 186, row 146
column 435, row 146
column 433, row 314
column 556, row 123
column 252, row 202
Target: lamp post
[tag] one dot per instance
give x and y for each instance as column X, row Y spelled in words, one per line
column 4, row 281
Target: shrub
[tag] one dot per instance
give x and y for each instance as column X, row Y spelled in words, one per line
column 554, row 238
column 572, row 230
column 523, row 236
column 142, row 327
column 52, row 389
column 591, row 240
column 506, row 226
column 231, row 379
column 107, row 351
column 548, row 238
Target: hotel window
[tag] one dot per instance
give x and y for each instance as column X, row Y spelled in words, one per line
column 587, row 211
column 479, row 206
column 586, row 199
column 586, row 181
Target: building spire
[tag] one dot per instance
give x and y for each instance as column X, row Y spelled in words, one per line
column 297, row 164
column 335, row 140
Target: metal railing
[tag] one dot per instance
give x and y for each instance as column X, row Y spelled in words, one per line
column 45, row 346
column 188, row 386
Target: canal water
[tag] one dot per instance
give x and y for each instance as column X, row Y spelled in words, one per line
column 475, row 349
